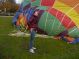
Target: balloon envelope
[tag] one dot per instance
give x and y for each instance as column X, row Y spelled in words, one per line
column 58, row 16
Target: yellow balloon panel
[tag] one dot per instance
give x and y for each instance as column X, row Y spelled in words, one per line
column 69, row 11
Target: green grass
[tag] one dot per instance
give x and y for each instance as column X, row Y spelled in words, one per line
column 17, row 47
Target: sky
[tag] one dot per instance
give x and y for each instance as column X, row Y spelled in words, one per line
column 18, row 1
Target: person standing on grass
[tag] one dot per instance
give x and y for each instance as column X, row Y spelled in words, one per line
column 32, row 25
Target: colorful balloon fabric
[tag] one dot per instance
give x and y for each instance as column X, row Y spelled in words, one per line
column 55, row 16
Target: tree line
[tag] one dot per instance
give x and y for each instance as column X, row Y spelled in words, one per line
column 9, row 7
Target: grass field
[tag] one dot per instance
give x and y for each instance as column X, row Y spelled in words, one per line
column 47, row 48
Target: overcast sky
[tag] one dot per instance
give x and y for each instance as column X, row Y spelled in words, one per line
column 18, row 1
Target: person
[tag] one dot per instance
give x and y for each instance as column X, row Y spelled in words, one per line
column 32, row 24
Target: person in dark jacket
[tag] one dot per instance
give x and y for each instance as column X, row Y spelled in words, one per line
column 32, row 27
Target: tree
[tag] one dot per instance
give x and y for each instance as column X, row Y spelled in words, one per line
column 9, row 7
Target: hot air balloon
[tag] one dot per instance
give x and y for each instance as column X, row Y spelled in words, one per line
column 55, row 16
